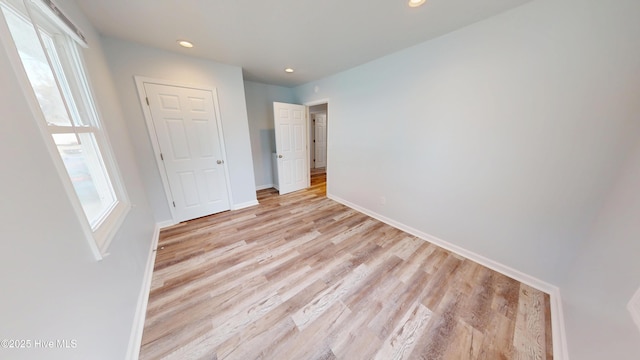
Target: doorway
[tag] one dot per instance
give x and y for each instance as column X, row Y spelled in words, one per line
column 301, row 145
column 318, row 126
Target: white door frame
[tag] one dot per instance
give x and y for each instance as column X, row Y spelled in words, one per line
column 310, row 125
column 140, row 81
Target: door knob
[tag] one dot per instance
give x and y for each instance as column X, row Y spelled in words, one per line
column 280, row 156
column 220, row 162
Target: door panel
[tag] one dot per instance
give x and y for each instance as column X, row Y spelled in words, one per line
column 178, row 136
column 189, row 188
column 291, row 147
column 186, row 127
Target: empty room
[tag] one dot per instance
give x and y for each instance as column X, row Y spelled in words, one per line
column 288, row 179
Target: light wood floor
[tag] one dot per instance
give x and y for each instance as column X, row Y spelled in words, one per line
column 303, row 277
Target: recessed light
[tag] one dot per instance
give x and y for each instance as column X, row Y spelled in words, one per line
column 185, row 44
column 288, row 70
column 416, row 3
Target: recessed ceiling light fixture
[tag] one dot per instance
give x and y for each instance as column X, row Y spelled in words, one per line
column 185, row 44
column 416, row 3
column 289, row 70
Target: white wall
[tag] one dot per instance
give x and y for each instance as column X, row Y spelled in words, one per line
column 505, row 138
column 260, row 99
column 502, row 137
column 605, row 275
column 52, row 288
column 127, row 59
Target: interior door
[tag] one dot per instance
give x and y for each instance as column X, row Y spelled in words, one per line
column 189, row 136
column 320, row 138
column 291, row 147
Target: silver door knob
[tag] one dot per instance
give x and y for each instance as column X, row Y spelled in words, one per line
column 280, row 156
column 220, row 162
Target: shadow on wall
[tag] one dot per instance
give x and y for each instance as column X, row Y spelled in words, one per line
column 268, row 140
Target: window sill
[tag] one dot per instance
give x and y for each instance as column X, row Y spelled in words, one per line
column 101, row 238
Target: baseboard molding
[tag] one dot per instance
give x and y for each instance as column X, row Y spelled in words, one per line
column 135, row 340
column 262, row 187
column 244, row 205
column 557, row 318
column 165, row 224
column 558, row 330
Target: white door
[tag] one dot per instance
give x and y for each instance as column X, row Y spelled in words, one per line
column 189, row 137
column 291, row 146
column 320, row 140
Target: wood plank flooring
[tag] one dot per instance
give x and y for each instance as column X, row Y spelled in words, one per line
column 303, row 277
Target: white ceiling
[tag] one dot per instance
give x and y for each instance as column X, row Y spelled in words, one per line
column 316, row 37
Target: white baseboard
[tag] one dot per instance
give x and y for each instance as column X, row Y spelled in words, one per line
column 245, row 205
column 558, row 330
column 135, row 340
column 262, row 187
column 165, row 224
column 557, row 318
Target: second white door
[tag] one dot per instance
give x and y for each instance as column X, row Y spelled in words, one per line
column 320, row 138
column 291, row 146
column 189, row 136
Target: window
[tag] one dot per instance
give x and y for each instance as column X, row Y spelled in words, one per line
column 47, row 46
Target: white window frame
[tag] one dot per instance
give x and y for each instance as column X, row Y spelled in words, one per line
column 100, row 235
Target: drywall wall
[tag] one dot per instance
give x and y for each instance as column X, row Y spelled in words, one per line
column 127, row 59
column 260, row 99
column 506, row 138
column 502, row 138
column 606, row 274
column 52, row 288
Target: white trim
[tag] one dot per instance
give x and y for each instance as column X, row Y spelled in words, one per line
column 151, row 130
column 318, row 102
column 557, row 317
column 57, row 16
column 307, row 123
column 135, row 339
column 166, row 224
column 245, row 205
column 112, row 225
column 558, row 330
column 262, row 187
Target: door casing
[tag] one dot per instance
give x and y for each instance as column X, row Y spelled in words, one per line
column 140, row 81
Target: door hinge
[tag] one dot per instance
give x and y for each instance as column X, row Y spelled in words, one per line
column 161, row 157
column 174, row 204
column 147, row 101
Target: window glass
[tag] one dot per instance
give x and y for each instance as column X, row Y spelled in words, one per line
column 37, row 69
column 92, row 185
